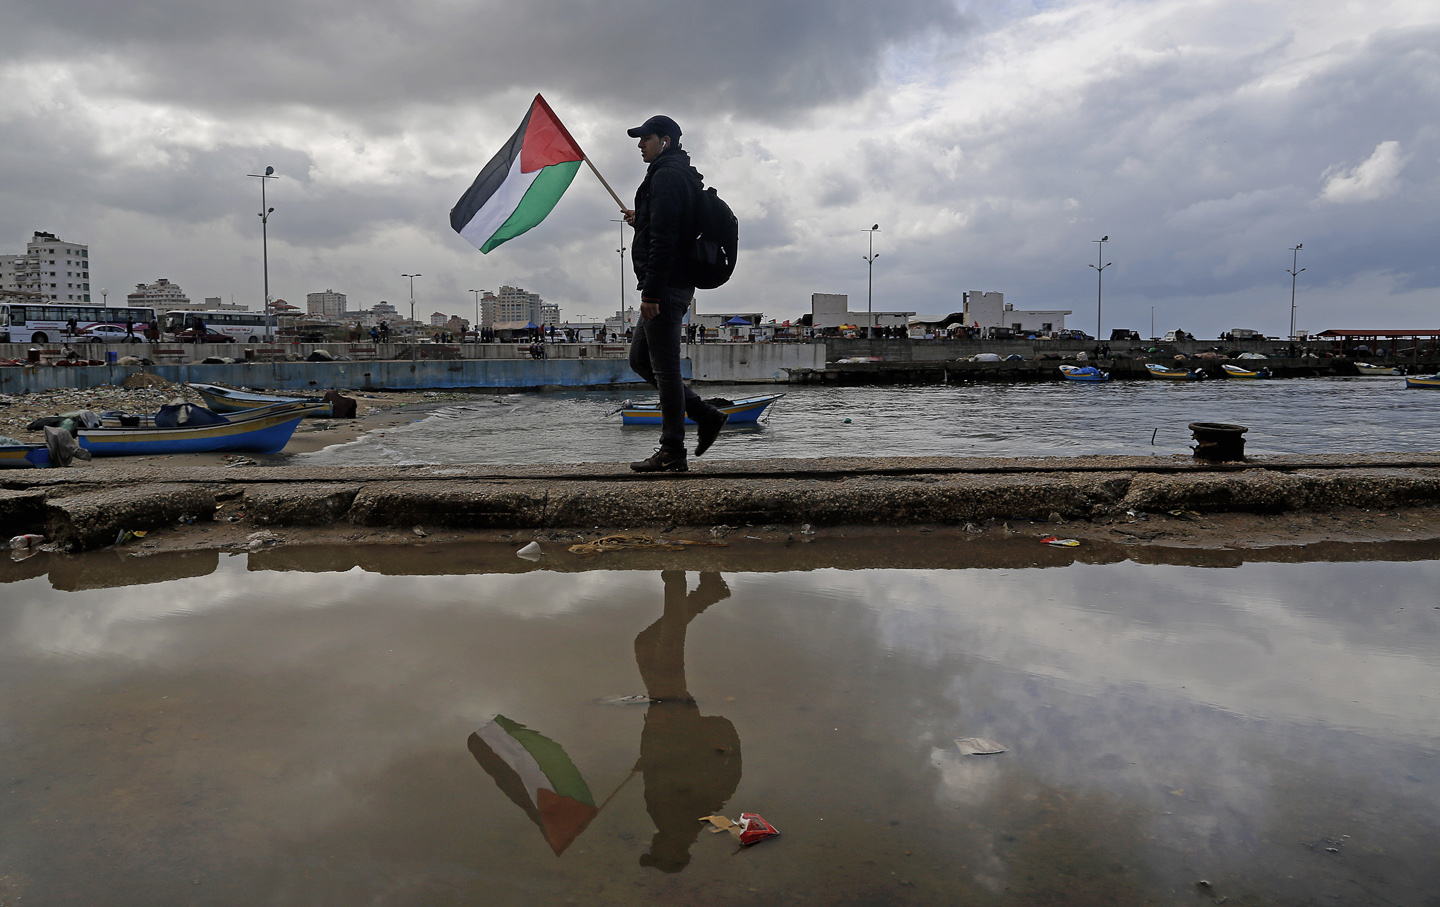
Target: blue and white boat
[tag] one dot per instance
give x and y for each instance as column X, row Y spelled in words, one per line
column 1087, row 374
column 24, row 456
column 229, row 400
column 740, row 411
column 259, row 431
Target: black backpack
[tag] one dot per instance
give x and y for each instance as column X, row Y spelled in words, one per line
column 712, row 260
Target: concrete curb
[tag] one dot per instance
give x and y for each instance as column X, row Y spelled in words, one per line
column 86, row 508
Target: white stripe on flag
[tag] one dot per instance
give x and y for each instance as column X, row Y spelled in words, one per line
column 516, row 755
column 498, row 208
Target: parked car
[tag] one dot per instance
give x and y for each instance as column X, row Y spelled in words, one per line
column 109, row 333
column 1123, row 334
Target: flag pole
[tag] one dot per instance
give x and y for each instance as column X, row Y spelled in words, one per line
column 605, row 184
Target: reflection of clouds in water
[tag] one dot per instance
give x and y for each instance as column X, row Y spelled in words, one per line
column 134, row 622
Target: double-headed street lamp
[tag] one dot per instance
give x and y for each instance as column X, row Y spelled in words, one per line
column 412, row 313
column 1294, row 261
column 870, row 286
column 265, row 213
column 1100, row 280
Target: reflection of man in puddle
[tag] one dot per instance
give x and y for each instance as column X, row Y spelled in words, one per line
column 691, row 762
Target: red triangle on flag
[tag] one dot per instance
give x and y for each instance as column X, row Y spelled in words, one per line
column 547, row 141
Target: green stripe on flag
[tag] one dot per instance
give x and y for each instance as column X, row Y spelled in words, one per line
column 550, row 183
column 549, row 755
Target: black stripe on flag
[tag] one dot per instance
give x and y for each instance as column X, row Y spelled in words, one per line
column 489, row 179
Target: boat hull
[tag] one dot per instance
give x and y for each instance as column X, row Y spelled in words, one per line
column 1086, row 375
column 1171, row 374
column 741, row 412
column 229, row 400
column 24, row 456
column 1365, row 368
column 264, row 433
column 1431, row 381
column 1233, row 371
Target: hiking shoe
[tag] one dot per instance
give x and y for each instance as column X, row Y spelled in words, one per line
column 662, row 461
column 707, row 432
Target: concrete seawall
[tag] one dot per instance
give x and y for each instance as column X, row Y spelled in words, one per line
column 85, row 508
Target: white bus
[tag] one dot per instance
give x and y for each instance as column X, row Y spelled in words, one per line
column 239, row 327
column 46, row 322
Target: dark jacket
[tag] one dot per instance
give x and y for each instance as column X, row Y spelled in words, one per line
column 665, row 224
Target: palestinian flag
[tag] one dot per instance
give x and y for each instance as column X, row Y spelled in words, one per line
column 522, row 182
column 537, row 775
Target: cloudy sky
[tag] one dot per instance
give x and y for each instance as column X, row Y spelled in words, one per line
column 992, row 141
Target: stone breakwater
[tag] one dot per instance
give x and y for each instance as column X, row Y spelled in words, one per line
column 80, row 509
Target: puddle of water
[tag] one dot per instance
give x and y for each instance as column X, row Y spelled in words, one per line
column 314, row 726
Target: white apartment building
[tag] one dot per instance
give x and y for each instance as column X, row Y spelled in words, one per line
column 438, row 319
column 511, row 304
column 990, row 310
column 832, row 310
column 162, row 294
column 329, row 303
column 51, row 269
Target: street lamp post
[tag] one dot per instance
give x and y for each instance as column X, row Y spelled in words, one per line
column 624, row 319
column 265, row 213
column 870, row 285
column 477, row 315
column 1152, row 322
column 1294, row 261
column 1100, row 284
column 104, row 297
column 412, row 313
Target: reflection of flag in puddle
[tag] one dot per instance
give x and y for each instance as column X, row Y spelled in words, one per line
column 535, row 772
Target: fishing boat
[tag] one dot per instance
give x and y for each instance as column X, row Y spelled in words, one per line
column 745, row 409
column 1088, row 374
column 1422, row 381
column 229, row 400
column 1235, row 371
column 1365, row 368
column 261, row 431
column 24, row 456
column 1174, row 374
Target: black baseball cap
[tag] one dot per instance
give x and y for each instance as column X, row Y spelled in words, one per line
column 656, row 125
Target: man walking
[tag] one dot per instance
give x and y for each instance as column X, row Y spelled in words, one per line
column 664, row 219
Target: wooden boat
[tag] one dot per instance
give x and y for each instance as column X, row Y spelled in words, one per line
column 24, row 456
column 1365, row 368
column 1235, row 371
column 1088, row 374
column 1422, row 381
column 229, row 400
column 743, row 410
column 1173, row 374
column 262, row 431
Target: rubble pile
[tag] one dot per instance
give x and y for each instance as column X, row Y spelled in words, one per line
column 19, row 410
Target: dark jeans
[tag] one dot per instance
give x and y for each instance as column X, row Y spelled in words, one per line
column 655, row 356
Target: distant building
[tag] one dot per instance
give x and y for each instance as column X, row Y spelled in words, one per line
column 162, row 294
column 832, row 310
column 329, row 303
column 510, row 304
column 989, row 310
column 438, row 319
column 51, row 269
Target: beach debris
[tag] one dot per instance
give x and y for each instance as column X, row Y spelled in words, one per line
column 1055, row 517
column 530, row 552
column 1060, row 543
column 237, row 460
column 257, row 540
column 719, row 532
column 624, row 541
column 971, row 527
column 1188, row 515
column 978, row 746
column 28, row 540
column 630, row 699
column 126, row 535
column 749, row 830
column 420, row 533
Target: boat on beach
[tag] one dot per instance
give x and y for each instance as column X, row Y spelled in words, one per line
column 1173, row 374
column 1087, row 374
column 1422, row 381
column 740, row 411
column 266, row 430
column 24, row 456
column 229, row 400
column 1235, row 371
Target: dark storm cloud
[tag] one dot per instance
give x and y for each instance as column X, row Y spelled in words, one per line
column 748, row 56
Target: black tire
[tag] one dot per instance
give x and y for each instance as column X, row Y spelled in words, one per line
column 253, row 339
column 39, row 337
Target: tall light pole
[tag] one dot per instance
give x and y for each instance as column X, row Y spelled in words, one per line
column 870, row 286
column 412, row 312
column 1152, row 322
column 477, row 315
column 265, row 213
column 624, row 319
column 1100, row 282
column 1294, row 260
